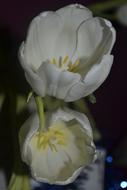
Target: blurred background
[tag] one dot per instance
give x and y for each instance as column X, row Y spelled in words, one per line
column 109, row 111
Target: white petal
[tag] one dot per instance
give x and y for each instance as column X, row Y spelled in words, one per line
column 73, row 15
column 46, row 164
column 37, row 83
column 56, row 161
column 26, row 132
column 38, row 163
column 56, row 168
column 74, row 162
column 95, row 77
column 67, row 114
column 98, row 73
column 58, row 82
column 49, row 38
column 96, row 37
column 83, row 141
column 51, row 35
column 41, row 38
column 76, row 92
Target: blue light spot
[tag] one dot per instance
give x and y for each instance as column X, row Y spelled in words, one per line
column 109, row 159
column 123, row 184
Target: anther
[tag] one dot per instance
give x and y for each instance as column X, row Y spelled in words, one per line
column 65, row 59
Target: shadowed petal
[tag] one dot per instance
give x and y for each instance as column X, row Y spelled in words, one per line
column 94, row 78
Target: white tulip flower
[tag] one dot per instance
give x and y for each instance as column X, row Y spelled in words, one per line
column 58, row 154
column 67, row 52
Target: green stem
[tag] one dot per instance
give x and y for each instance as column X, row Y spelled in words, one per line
column 40, row 108
column 99, row 7
column 20, row 182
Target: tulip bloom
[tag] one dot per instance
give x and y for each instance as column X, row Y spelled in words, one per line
column 58, row 154
column 67, row 53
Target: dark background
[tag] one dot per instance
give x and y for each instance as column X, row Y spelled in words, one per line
column 110, row 111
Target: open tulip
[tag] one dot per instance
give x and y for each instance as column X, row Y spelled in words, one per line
column 67, row 52
column 59, row 153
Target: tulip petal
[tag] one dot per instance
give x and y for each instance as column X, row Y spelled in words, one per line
column 58, row 82
column 37, row 83
column 73, row 15
column 96, row 37
column 94, row 78
column 68, row 114
column 41, row 38
column 50, row 161
column 98, row 73
column 48, row 38
column 26, row 132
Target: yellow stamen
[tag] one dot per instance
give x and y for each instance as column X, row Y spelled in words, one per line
column 65, row 63
column 76, row 63
column 49, row 139
column 60, row 62
column 54, row 61
column 65, row 59
column 73, row 66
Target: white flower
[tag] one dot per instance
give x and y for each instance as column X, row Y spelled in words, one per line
column 122, row 14
column 67, row 52
column 59, row 154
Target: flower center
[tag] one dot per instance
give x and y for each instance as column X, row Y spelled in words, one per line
column 49, row 139
column 65, row 63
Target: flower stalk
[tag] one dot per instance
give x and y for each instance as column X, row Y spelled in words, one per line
column 41, row 114
column 19, row 182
